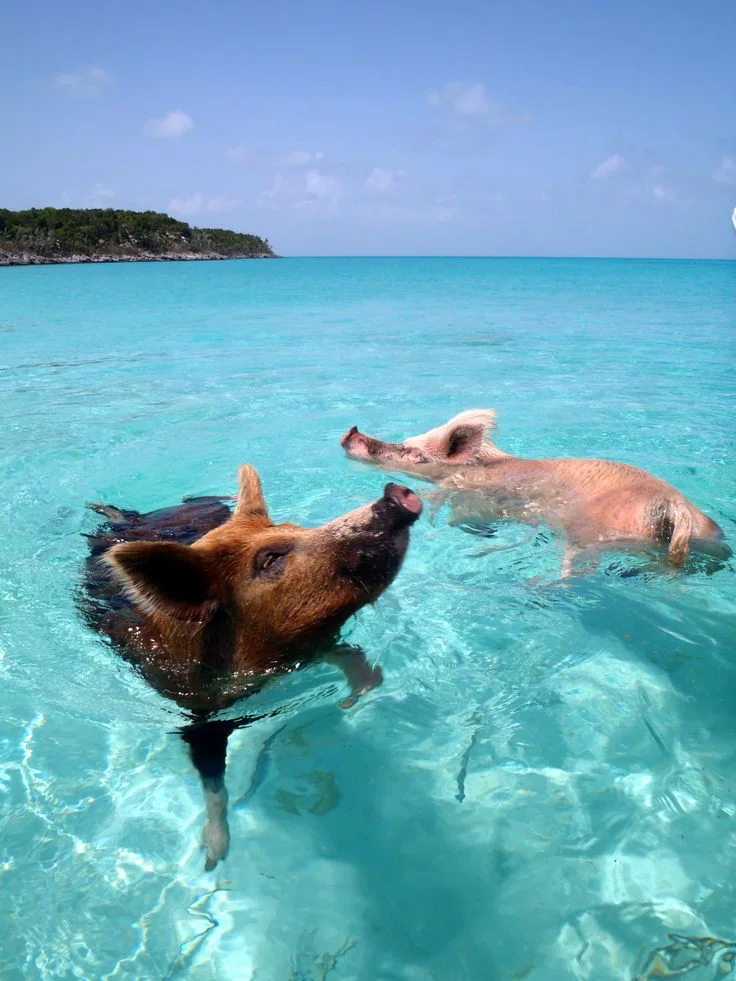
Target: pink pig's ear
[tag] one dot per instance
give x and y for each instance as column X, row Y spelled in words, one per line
column 463, row 443
column 461, row 439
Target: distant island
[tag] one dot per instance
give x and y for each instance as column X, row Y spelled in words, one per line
column 53, row 235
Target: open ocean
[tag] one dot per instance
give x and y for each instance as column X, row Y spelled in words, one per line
column 543, row 789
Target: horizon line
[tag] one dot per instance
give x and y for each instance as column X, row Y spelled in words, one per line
column 601, row 258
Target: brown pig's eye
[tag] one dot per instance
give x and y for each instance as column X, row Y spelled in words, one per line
column 271, row 561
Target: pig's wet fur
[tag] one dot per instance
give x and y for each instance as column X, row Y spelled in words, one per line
column 208, row 601
column 597, row 505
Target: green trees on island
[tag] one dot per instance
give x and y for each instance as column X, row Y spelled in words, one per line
column 60, row 232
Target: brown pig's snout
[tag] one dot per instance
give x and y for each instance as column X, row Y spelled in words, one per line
column 404, row 497
column 400, row 505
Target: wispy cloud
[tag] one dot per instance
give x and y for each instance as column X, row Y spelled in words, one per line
column 726, row 172
column 279, row 189
column 382, row 180
column 321, row 185
column 323, row 188
column 313, row 191
column 240, row 153
column 175, row 123
column 608, row 167
column 197, row 204
column 662, row 193
column 100, row 197
column 656, row 170
column 299, row 158
column 469, row 101
column 91, row 80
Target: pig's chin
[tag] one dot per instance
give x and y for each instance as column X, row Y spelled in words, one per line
column 374, row 565
column 359, row 451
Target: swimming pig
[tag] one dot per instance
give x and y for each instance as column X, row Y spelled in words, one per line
column 595, row 504
column 208, row 603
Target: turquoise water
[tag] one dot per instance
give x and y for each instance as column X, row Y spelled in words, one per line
column 543, row 788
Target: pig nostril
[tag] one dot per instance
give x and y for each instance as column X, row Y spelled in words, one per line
column 404, row 497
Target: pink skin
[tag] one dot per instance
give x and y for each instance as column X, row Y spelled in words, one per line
column 595, row 504
column 361, row 447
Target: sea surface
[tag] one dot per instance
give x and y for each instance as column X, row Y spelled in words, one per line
column 543, row 789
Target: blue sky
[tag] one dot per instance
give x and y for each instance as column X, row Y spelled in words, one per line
column 475, row 128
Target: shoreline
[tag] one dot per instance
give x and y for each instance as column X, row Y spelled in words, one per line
column 8, row 258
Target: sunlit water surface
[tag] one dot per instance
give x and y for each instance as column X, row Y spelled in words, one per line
column 544, row 786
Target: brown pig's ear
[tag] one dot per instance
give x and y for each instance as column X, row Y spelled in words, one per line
column 251, row 502
column 164, row 577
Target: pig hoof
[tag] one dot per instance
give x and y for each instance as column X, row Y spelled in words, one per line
column 348, row 702
column 215, row 842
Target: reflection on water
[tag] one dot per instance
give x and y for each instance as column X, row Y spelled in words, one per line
column 543, row 786
column 686, row 955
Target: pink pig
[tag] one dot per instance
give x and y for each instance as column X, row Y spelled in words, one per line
column 595, row 504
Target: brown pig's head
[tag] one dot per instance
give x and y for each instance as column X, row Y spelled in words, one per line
column 280, row 586
column 464, row 440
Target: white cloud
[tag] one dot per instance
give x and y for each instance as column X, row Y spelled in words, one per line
column 175, row 123
column 726, row 173
column 196, row 204
column 662, row 193
column 464, row 99
column 468, row 102
column 656, row 170
column 294, row 159
column 323, row 187
column 89, row 81
column 299, row 158
column 313, row 191
column 280, row 188
column 381, row 180
column 608, row 167
column 241, row 153
column 658, row 192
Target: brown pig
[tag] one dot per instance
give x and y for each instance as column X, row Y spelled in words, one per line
column 207, row 603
